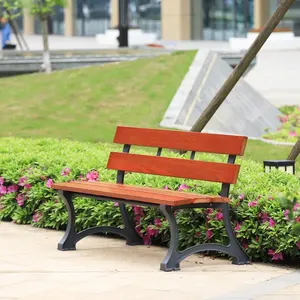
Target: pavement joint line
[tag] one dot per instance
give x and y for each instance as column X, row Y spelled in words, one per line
column 264, row 288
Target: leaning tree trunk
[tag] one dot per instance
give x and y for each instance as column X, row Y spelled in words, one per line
column 295, row 151
column 46, row 54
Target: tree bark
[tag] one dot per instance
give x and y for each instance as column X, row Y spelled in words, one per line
column 46, row 54
column 243, row 65
column 295, row 151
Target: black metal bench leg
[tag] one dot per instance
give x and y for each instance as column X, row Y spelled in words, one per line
column 69, row 240
column 131, row 235
column 171, row 261
column 236, row 250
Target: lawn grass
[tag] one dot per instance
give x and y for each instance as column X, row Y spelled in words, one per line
column 87, row 104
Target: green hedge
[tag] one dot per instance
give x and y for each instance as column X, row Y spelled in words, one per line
column 289, row 131
column 28, row 167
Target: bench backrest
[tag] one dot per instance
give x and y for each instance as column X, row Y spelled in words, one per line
column 226, row 173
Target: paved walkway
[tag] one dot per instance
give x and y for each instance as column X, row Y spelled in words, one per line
column 104, row 268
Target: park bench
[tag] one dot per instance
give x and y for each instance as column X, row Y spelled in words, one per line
column 167, row 201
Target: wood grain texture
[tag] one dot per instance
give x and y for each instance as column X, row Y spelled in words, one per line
column 180, row 140
column 174, row 167
column 136, row 193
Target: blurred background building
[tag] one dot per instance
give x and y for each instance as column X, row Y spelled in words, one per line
column 169, row 19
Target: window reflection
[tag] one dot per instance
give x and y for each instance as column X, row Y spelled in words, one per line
column 224, row 19
column 146, row 14
column 92, row 17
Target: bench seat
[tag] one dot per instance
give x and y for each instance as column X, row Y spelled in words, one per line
column 137, row 193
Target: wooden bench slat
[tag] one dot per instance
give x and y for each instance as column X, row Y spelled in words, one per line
column 208, row 198
column 135, row 193
column 174, row 167
column 180, row 140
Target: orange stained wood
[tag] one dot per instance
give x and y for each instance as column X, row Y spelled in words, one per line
column 137, row 193
column 174, row 167
column 189, row 141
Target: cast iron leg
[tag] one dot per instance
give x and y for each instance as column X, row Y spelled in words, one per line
column 171, row 261
column 236, row 250
column 69, row 240
column 132, row 237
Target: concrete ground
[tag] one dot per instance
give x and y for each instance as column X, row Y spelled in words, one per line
column 105, row 268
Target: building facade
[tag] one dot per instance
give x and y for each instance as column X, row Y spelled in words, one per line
column 169, row 19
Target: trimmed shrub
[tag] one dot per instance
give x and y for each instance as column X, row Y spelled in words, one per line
column 29, row 167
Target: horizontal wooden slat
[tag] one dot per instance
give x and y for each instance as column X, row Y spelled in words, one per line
column 180, row 140
column 174, row 167
column 135, row 193
column 125, row 187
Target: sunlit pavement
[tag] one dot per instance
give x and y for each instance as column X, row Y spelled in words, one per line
column 105, row 268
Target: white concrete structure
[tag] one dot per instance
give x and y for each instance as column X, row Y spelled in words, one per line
column 244, row 112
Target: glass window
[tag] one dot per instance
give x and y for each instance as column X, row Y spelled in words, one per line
column 146, row 14
column 92, row 17
column 224, row 19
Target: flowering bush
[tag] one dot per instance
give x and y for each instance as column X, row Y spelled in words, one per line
column 290, row 125
column 28, row 169
column 292, row 213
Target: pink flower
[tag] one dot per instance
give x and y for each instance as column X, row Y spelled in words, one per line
column 137, row 219
column 297, row 205
column 237, row 227
column 36, row 217
column 22, row 181
column 284, row 119
column 157, row 222
column 275, row 256
column 292, row 133
column 151, row 231
column 138, row 210
column 138, row 230
column 147, row 239
column 92, row 176
column 20, row 200
column 65, row 171
column 116, row 204
column 252, row 203
column 272, row 223
column 264, row 217
column 27, row 186
column 298, row 245
column 245, row 245
column 219, row 216
column 209, row 234
column 209, row 211
column 286, row 214
column 3, row 190
column 241, row 196
column 49, row 183
column 183, row 187
column 166, row 187
column 12, row 188
column 198, row 233
column 1, row 180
